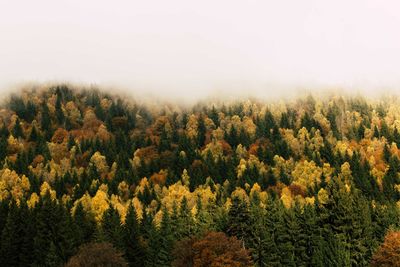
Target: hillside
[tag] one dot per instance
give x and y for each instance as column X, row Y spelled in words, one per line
column 308, row 182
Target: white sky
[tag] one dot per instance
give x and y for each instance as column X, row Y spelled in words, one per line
column 176, row 47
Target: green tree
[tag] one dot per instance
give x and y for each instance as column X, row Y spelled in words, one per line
column 239, row 220
column 134, row 250
column 111, row 228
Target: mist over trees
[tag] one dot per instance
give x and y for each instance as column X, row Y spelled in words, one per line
column 90, row 178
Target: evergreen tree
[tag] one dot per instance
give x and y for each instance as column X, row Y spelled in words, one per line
column 17, row 130
column 260, row 237
column 54, row 225
column 160, row 243
column 11, row 237
column 112, row 228
column 239, row 220
column 85, row 225
column 203, row 221
column 273, row 220
column 134, row 250
column 185, row 220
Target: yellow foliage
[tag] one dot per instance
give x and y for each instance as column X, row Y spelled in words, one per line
column 142, row 185
column 33, row 199
column 310, row 200
column 65, row 199
column 293, row 142
column 241, row 151
column 100, row 162
column 185, row 178
column 345, row 172
column 286, row 197
column 323, row 196
column 58, row 151
column 158, row 218
column 123, row 190
column 218, row 134
column 119, row 205
column 241, row 194
column 241, row 168
column 249, row 126
column 205, row 194
column 175, row 193
column 13, row 145
column 100, row 204
column 306, row 173
column 12, row 184
column 44, row 188
column 191, row 126
column 104, row 188
column 138, row 207
column 215, row 148
column 72, row 111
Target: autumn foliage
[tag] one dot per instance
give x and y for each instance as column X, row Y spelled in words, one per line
column 214, row 249
column 97, row 254
column 314, row 181
column 388, row 254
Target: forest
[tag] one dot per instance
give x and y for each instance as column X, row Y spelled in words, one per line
column 90, row 178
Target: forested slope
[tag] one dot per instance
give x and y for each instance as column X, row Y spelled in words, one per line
column 308, row 182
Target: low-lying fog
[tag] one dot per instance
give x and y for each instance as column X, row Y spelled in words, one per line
column 192, row 49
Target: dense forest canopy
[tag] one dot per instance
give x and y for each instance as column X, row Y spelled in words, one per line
column 308, row 182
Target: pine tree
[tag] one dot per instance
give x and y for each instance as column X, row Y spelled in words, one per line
column 299, row 236
column 11, row 238
column 17, row 130
column 201, row 131
column 85, row 225
column 185, row 220
column 134, row 250
column 239, row 220
column 285, row 238
column 260, row 238
column 33, row 136
column 273, row 220
column 160, row 243
column 54, row 225
column 203, row 222
column 112, row 229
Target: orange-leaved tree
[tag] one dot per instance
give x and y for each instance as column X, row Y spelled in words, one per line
column 388, row 254
column 214, row 249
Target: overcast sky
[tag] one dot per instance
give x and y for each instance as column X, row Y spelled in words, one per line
column 176, row 47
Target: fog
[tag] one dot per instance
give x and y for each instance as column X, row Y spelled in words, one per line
column 192, row 49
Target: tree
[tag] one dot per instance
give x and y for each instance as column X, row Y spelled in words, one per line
column 111, row 228
column 273, row 219
column 388, row 254
column 185, row 220
column 160, row 243
column 166, row 240
column 97, row 254
column 11, row 237
column 54, row 226
column 59, row 112
column 85, row 225
column 239, row 220
column 17, row 130
column 260, row 238
column 134, row 250
column 214, row 249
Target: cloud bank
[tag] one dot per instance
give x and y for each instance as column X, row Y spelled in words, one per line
column 191, row 49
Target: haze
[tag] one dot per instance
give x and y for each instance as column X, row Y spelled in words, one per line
column 191, row 49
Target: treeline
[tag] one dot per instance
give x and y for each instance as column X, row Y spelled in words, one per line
column 307, row 183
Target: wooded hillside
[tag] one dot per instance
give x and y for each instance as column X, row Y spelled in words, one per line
column 308, row 182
